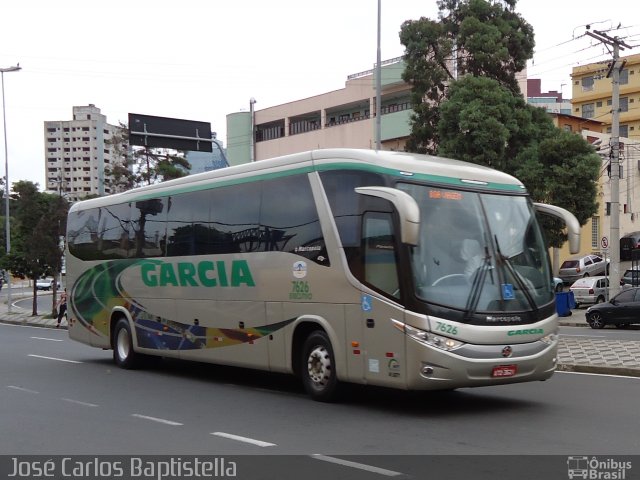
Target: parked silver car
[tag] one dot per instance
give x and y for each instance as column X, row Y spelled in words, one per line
column 45, row 283
column 585, row 266
column 590, row 290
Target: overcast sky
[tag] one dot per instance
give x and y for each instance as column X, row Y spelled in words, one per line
column 203, row 59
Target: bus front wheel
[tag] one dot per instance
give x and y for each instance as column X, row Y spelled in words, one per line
column 318, row 368
column 123, row 354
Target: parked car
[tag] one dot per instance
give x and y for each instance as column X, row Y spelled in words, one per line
column 45, row 283
column 629, row 243
column 631, row 276
column 589, row 290
column 584, row 266
column 621, row 311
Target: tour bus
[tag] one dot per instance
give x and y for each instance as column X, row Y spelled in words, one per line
column 339, row 266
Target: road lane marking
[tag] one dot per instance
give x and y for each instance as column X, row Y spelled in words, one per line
column 156, row 419
column 360, row 466
column 49, row 339
column 53, row 358
column 238, row 438
column 78, row 402
column 21, row 389
column 599, row 374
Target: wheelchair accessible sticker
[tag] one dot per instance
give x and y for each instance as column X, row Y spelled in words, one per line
column 366, row 303
column 507, row 291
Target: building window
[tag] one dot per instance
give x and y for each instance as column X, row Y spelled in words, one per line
column 595, row 233
column 588, row 110
column 624, row 77
column 624, row 104
column 624, row 131
column 587, row 84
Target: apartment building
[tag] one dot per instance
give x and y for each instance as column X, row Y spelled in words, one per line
column 77, row 152
column 552, row 101
column 340, row 118
column 592, row 90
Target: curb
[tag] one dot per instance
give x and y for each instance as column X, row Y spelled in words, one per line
column 599, row 369
column 28, row 323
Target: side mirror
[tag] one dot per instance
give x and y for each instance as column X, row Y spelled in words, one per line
column 573, row 226
column 405, row 205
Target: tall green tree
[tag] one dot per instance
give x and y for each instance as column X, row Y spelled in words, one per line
column 471, row 37
column 38, row 222
column 468, row 105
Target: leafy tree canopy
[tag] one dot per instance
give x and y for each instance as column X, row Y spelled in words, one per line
column 467, row 105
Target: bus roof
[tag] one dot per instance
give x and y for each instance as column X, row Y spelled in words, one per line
column 410, row 165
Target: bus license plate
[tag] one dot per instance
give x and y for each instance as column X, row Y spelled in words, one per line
column 504, row 371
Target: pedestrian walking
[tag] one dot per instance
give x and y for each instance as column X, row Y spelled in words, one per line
column 62, row 306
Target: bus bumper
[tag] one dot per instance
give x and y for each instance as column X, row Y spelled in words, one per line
column 429, row 368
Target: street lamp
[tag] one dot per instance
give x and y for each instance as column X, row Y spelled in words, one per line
column 252, row 140
column 7, row 230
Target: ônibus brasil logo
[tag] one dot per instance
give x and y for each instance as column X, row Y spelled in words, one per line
column 597, row 469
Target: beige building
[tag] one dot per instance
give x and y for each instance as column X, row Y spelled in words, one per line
column 77, row 152
column 592, row 90
column 341, row 118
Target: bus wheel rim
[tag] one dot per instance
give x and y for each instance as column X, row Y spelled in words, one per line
column 319, row 366
column 124, row 344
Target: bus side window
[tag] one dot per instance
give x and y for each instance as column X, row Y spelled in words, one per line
column 380, row 268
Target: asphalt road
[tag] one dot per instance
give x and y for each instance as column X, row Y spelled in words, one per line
column 61, row 397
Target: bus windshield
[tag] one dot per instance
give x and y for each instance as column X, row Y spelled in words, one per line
column 479, row 252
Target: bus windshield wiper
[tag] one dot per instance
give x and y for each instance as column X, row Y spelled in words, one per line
column 476, row 286
column 516, row 276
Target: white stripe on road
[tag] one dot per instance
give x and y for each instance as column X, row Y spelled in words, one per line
column 78, row 402
column 53, row 358
column 628, row 377
column 360, row 466
column 49, row 339
column 238, row 438
column 156, row 419
column 13, row 387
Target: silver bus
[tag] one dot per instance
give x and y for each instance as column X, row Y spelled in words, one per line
column 339, row 266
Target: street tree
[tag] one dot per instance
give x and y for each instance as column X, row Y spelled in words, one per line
column 471, row 37
column 38, row 222
column 468, row 105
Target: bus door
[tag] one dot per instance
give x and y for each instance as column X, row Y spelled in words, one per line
column 384, row 346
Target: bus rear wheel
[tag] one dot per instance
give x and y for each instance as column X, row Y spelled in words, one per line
column 124, row 355
column 318, row 368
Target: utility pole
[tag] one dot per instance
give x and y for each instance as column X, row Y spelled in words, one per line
column 614, row 235
column 378, row 81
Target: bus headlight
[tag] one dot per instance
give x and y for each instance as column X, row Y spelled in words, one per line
column 427, row 338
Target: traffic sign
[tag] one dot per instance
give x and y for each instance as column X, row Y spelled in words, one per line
column 604, row 243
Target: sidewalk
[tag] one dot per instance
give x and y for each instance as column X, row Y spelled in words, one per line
column 575, row 354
